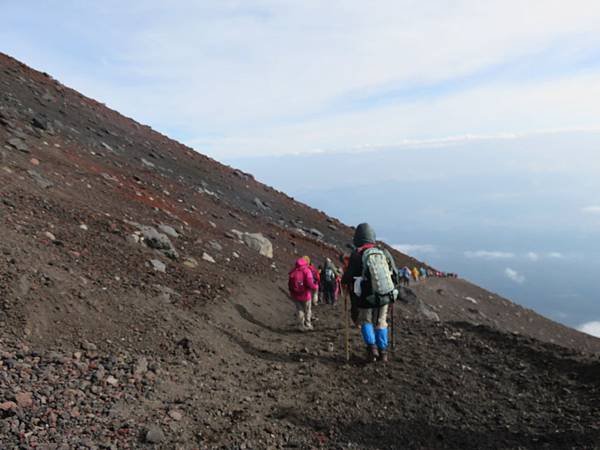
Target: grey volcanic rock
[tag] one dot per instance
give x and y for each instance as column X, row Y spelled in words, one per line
column 259, row 243
column 168, row 230
column 159, row 241
column 158, row 265
column 19, row 144
column 155, row 435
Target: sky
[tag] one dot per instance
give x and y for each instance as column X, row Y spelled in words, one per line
column 277, row 76
column 252, row 79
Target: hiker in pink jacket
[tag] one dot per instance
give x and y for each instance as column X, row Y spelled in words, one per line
column 301, row 284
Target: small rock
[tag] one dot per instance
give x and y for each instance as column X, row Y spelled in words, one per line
column 133, row 239
column 236, row 254
column 237, row 234
column 7, row 406
column 168, row 230
column 34, row 161
column 39, row 122
column 299, row 231
column 112, row 380
column 40, row 180
column 190, row 262
column 56, row 357
column 207, row 257
column 147, row 163
column 159, row 241
column 259, row 203
column 154, row 434
column 175, row 415
column 83, row 226
column 19, row 144
column 89, row 346
column 158, row 265
column 24, row 399
column 50, row 236
column 141, row 367
column 215, row 246
column 316, row 233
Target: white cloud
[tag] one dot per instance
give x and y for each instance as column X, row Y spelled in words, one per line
column 238, row 78
column 415, row 249
column 592, row 328
column 485, row 254
column 536, row 256
column 514, row 275
column 591, row 210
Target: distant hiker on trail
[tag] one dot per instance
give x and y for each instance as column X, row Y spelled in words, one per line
column 423, row 272
column 371, row 271
column 316, row 279
column 301, row 285
column 329, row 282
column 415, row 273
column 405, row 276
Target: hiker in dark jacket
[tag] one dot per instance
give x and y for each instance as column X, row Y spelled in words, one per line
column 371, row 308
column 405, row 276
column 329, row 282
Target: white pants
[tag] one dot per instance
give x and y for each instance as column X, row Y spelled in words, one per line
column 377, row 316
column 304, row 312
column 315, row 296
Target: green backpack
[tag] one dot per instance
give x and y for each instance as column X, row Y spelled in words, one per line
column 376, row 268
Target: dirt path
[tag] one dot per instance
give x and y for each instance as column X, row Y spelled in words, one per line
column 268, row 385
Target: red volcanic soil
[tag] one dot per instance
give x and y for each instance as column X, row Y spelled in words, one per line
column 99, row 349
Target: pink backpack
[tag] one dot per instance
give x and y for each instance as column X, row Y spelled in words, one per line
column 296, row 281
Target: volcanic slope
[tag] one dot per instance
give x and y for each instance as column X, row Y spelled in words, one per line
column 137, row 312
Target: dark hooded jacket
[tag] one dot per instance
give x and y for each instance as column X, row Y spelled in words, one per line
column 364, row 238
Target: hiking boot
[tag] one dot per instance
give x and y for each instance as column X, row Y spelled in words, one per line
column 372, row 353
column 309, row 326
column 383, row 356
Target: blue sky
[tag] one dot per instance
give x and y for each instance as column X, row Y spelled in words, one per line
column 437, row 80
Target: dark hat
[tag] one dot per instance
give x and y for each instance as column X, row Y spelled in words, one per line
column 364, row 234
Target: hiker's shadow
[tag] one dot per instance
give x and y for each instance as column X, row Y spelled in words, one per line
column 277, row 357
column 247, row 315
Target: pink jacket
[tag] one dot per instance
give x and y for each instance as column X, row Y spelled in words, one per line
column 309, row 282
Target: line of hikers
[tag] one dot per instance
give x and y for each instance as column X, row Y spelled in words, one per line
column 371, row 279
column 308, row 286
column 407, row 274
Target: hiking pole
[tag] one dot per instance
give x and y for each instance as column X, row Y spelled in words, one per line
column 347, row 331
column 393, row 330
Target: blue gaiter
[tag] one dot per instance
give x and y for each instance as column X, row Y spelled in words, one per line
column 381, row 335
column 368, row 333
